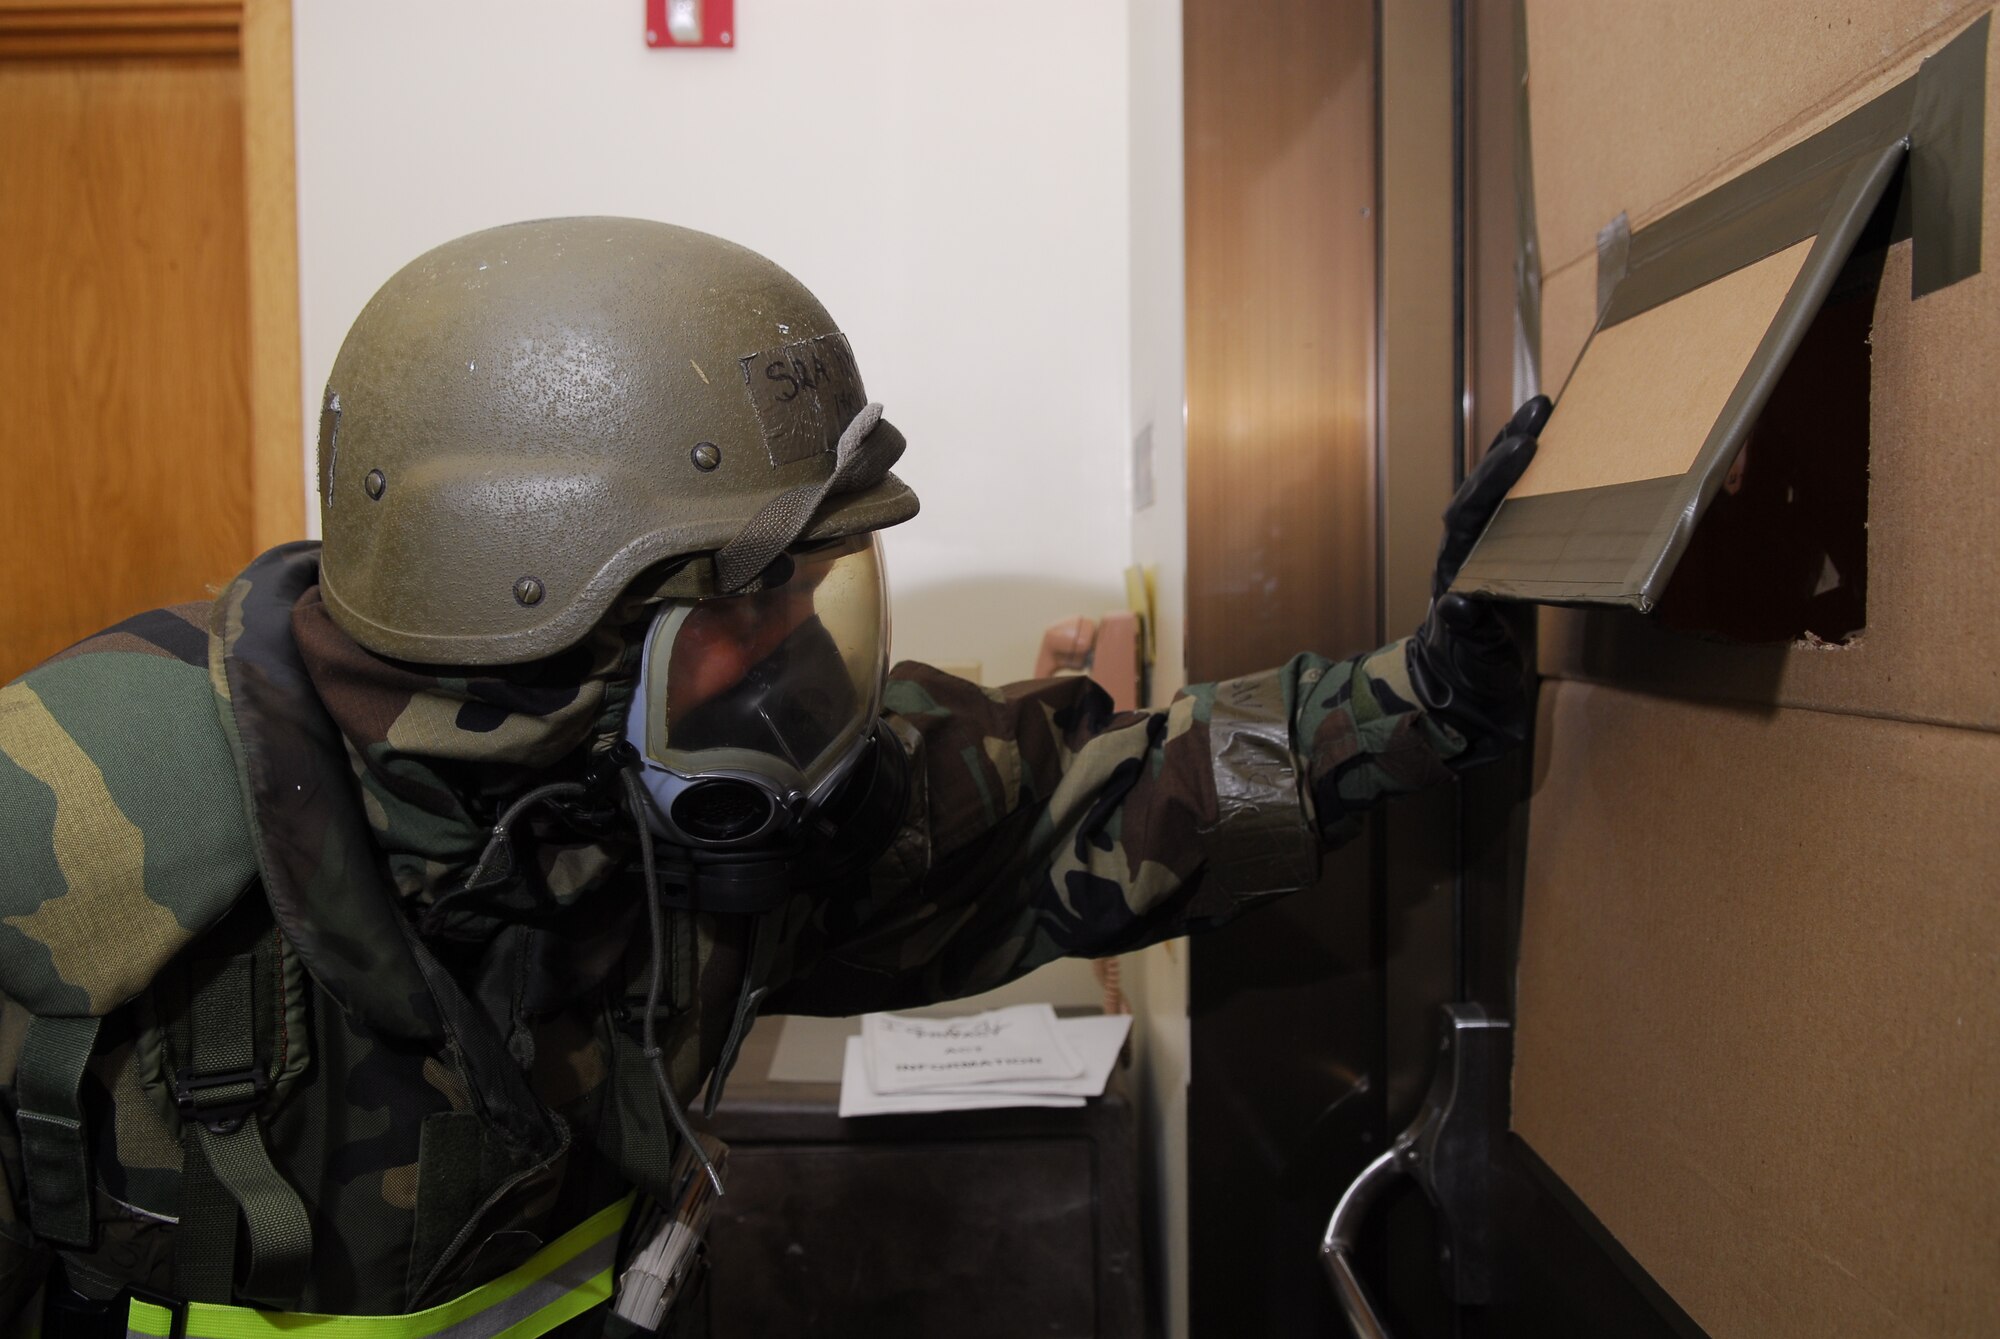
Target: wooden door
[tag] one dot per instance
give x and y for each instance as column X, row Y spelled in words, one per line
column 150, row 437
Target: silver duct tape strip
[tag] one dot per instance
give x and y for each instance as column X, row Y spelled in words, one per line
column 1591, row 546
column 1939, row 113
column 1948, row 161
column 1528, row 261
column 1614, row 251
column 1264, row 839
column 1772, row 206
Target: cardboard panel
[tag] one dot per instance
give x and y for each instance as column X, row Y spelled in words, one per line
column 1641, row 107
column 1569, row 311
column 1759, row 1029
column 1648, row 390
column 1931, row 650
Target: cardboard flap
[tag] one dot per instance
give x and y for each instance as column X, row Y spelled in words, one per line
column 1657, row 407
column 1700, row 314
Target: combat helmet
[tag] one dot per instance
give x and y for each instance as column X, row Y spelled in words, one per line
column 524, row 421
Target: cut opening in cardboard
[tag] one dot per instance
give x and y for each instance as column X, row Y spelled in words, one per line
column 1781, row 554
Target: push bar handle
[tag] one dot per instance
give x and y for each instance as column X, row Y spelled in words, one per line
column 1336, row 1248
column 1448, row 1150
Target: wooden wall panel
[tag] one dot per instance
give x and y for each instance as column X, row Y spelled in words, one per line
column 277, row 491
column 124, row 355
column 1281, row 332
column 147, row 244
column 1281, row 327
column 99, row 29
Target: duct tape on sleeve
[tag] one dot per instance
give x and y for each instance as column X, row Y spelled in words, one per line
column 1263, row 840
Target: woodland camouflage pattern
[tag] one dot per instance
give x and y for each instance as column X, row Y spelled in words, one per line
column 243, row 778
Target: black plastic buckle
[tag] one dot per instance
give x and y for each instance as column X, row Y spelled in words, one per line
column 224, row 1117
column 630, row 1015
column 175, row 1307
column 600, row 778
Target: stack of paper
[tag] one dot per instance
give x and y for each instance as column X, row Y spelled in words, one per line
column 1019, row 1057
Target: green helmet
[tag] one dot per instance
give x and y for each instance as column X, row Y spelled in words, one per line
column 524, row 421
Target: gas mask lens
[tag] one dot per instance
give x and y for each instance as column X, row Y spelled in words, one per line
column 751, row 708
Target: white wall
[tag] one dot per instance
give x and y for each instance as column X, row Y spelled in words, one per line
column 951, row 181
column 1156, row 980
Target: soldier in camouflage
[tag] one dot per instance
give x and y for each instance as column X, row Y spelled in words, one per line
column 370, row 931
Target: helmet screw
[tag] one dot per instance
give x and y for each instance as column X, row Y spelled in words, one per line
column 375, row 483
column 706, row 456
column 528, row 590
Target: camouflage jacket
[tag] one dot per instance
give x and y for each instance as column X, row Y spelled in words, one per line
column 184, row 823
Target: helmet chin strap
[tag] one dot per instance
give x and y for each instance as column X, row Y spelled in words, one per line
column 860, row 461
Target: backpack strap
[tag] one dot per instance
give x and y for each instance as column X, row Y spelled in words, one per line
column 55, row 1154
column 228, row 1172
column 750, row 995
column 634, row 1133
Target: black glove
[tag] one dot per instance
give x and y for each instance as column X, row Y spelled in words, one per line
column 1464, row 661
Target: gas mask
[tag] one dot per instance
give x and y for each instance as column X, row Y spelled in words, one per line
column 753, row 709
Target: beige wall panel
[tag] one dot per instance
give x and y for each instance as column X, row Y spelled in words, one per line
column 1931, row 651
column 1759, row 1030
column 1640, row 107
column 1569, row 312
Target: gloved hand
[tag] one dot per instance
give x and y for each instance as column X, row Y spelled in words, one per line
column 1464, row 660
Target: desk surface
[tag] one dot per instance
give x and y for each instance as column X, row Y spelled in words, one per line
column 756, row 1107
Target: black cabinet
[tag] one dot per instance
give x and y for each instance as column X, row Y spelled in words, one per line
column 967, row 1224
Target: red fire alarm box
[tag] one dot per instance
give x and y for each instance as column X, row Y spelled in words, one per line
column 691, row 23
